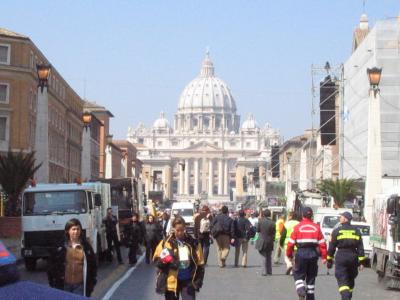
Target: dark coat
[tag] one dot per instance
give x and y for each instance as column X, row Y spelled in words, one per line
column 242, row 227
column 111, row 226
column 266, row 228
column 153, row 232
column 226, row 223
column 134, row 233
column 56, row 267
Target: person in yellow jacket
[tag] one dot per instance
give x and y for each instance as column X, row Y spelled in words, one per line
column 285, row 235
column 180, row 263
column 280, row 223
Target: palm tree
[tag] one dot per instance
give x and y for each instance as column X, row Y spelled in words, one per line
column 340, row 189
column 15, row 171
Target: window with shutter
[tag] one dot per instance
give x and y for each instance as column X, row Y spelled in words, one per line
column 4, row 57
column 3, row 123
column 3, row 92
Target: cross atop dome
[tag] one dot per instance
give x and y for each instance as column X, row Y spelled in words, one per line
column 207, row 68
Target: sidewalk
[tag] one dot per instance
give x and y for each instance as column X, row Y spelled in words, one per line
column 14, row 246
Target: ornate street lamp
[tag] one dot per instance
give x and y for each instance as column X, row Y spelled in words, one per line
column 87, row 119
column 43, row 72
column 109, row 139
column 374, row 77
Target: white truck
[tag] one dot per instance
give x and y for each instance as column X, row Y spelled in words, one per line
column 385, row 238
column 186, row 211
column 47, row 207
column 328, row 219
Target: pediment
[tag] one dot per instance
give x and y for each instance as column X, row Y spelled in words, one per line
column 203, row 146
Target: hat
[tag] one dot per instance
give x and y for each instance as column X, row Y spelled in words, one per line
column 347, row 215
column 307, row 212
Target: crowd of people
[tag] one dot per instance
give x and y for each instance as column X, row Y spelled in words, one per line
column 181, row 257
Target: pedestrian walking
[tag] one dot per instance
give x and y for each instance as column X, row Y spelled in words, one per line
column 349, row 256
column 308, row 238
column 265, row 242
column 204, row 232
column 72, row 266
column 153, row 235
column 243, row 227
column 285, row 235
column 223, row 231
column 134, row 232
column 111, row 223
column 279, row 225
column 164, row 223
column 180, row 263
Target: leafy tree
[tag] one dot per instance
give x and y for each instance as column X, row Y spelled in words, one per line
column 15, row 171
column 340, row 189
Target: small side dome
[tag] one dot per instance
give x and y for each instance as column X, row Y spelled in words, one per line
column 250, row 123
column 161, row 123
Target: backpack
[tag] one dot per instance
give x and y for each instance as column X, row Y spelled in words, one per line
column 216, row 230
column 204, row 225
column 251, row 233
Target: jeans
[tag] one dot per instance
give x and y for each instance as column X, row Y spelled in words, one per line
column 205, row 245
column 132, row 253
column 74, row 288
column 113, row 239
column 185, row 290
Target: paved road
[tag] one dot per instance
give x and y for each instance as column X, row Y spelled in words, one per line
column 247, row 283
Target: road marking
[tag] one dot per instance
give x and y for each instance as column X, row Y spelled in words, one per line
column 128, row 273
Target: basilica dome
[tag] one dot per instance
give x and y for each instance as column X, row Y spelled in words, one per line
column 207, row 93
column 250, row 123
column 161, row 122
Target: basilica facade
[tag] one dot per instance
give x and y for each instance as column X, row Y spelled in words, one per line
column 206, row 153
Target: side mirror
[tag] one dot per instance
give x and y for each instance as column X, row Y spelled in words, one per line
column 391, row 205
column 393, row 220
column 97, row 200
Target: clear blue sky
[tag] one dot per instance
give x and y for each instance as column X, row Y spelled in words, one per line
column 137, row 56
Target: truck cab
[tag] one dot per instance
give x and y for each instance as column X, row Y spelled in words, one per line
column 46, row 208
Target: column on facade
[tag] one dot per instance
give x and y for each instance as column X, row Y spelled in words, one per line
column 187, row 177
column 181, row 178
column 226, row 178
column 204, row 171
column 196, row 176
column 240, row 170
column 210, row 177
column 220, row 177
column 167, row 174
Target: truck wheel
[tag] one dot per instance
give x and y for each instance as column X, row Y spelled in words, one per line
column 30, row 264
column 383, row 278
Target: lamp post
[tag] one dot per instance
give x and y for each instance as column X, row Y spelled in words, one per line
column 42, row 123
column 373, row 182
column 86, row 161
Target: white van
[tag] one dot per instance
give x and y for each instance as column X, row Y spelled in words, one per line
column 365, row 233
column 186, row 211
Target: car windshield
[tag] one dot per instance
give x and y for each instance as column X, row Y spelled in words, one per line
column 59, row 202
column 330, row 221
column 184, row 212
column 364, row 229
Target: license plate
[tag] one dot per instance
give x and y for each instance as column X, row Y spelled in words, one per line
column 27, row 252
